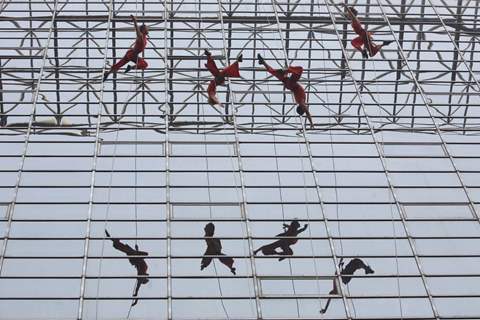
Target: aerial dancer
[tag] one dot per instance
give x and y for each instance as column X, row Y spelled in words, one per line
column 232, row 71
column 364, row 42
column 133, row 54
column 291, row 83
column 346, row 274
column 290, row 230
column 214, row 248
column 136, row 259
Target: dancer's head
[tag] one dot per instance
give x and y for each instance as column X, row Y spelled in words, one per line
column 209, row 229
column 219, row 80
column 144, row 29
column 351, row 12
column 295, row 224
column 300, row 110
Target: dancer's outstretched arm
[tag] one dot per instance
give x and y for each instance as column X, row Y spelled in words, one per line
column 135, row 24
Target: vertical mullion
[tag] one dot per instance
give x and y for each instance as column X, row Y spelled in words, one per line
column 27, row 137
column 472, row 56
column 243, row 207
column 315, row 179
column 454, row 42
column 168, row 113
column 430, row 115
column 93, row 173
column 378, row 148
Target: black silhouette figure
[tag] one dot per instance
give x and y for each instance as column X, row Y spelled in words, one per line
column 291, row 230
column 214, row 248
column 346, row 273
column 136, row 259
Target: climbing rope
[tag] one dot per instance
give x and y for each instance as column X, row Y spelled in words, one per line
column 282, row 206
column 211, row 218
column 390, row 195
column 100, row 268
column 246, row 251
column 238, row 197
column 136, row 142
column 335, row 179
column 400, row 303
column 107, row 213
column 219, row 284
column 300, row 123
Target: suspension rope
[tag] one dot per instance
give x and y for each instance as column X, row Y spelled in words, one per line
column 243, row 207
column 278, row 168
column 332, row 150
column 246, row 251
column 107, row 213
column 211, row 216
column 105, row 225
column 321, row 202
column 136, row 140
column 136, row 177
column 298, row 121
column 334, row 169
column 219, row 284
column 391, row 194
column 135, row 193
column 131, row 305
column 303, row 176
column 382, row 144
column 238, row 198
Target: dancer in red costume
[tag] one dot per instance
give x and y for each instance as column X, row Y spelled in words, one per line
column 133, row 55
column 291, row 83
column 364, row 42
column 232, row 71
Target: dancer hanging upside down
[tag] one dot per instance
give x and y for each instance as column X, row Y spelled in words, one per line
column 364, row 42
column 291, row 83
column 136, row 259
column 133, row 54
column 291, row 230
column 214, row 248
column 232, row 71
column 346, row 273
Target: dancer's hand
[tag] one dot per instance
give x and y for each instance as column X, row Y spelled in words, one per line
column 260, row 59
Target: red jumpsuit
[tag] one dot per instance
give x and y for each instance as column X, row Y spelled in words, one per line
column 232, row 70
column 291, row 82
column 133, row 55
column 364, row 39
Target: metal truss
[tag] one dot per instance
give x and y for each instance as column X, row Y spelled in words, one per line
column 389, row 174
column 69, row 96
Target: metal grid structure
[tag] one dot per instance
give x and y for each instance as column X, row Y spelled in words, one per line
column 389, row 174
